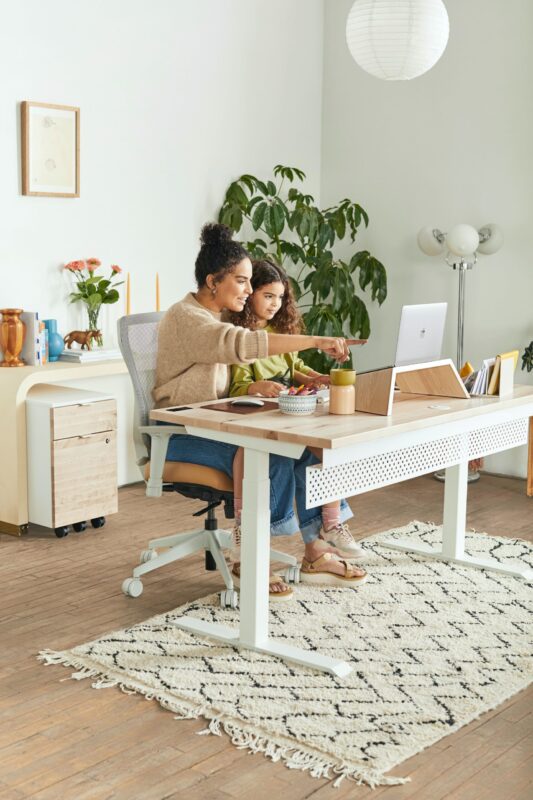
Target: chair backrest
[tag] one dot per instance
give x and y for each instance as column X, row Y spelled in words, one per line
column 137, row 339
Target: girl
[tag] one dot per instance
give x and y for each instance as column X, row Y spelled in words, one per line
column 272, row 308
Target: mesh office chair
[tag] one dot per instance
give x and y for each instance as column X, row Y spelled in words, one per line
column 137, row 334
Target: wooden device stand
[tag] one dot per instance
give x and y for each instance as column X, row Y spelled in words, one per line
column 374, row 391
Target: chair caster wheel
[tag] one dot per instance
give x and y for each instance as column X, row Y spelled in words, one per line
column 132, row 587
column 148, row 555
column 62, row 531
column 79, row 526
column 229, row 599
column 292, row 574
column 98, row 522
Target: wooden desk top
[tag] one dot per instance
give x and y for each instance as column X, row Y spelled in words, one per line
column 325, row 430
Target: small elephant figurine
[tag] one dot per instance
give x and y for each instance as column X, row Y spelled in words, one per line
column 83, row 338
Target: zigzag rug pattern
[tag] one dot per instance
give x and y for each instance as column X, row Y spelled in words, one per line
column 433, row 646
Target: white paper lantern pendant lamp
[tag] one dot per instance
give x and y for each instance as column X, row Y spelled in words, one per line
column 397, row 40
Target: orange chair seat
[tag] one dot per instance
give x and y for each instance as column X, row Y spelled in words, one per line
column 178, row 472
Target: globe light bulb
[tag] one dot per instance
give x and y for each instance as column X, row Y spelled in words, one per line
column 491, row 239
column 431, row 241
column 462, row 240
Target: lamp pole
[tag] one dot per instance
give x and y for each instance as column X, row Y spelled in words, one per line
column 461, row 266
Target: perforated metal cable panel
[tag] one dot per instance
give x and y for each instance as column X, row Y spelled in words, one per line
column 361, row 475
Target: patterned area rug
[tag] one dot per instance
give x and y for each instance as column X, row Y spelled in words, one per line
column 433, row 646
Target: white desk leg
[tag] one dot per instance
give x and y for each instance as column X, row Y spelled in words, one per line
column 454, row 522
column 255, row 549
column 453, row 533
column 255, row 566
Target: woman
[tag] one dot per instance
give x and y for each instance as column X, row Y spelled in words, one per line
column 195, row 350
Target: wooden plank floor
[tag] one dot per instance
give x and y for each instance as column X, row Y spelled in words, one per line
column 61, row 739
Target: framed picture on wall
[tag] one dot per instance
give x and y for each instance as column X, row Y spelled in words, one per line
column 50, row 150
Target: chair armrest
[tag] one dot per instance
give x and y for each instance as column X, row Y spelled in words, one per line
column 161, row 430
column 159, row 436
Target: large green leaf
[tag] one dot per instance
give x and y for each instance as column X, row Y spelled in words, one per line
column 379, row 281
column 237, row 195
column 295, row 287
column 94, row 300
column 259, row 215
column 111, row 297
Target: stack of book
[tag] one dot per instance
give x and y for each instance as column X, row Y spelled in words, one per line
column 496, row 376
column 89, row 356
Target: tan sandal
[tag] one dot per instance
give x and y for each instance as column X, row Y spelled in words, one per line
column 286, row 594
column 316, row 572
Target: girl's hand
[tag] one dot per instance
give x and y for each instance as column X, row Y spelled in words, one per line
column 333, row 346
column 320, row 380
column 265, row 388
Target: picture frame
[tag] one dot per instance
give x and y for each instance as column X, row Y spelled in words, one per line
column 50, row 150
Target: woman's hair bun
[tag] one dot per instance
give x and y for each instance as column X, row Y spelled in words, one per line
column 215, row 234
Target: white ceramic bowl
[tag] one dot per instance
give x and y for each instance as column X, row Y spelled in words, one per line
column 297, row 405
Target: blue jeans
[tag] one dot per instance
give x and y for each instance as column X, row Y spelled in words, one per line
column 287, row 482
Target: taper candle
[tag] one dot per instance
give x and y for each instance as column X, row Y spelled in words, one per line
column 157, row 304
column 128, row 295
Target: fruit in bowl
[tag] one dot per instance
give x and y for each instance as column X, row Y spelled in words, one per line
column 297, row 404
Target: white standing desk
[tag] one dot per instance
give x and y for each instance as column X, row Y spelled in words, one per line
column 360, row 452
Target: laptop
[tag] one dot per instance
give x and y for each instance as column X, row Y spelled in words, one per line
column 420, row 335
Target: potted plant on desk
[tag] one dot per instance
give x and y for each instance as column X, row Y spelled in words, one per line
column 292, row 230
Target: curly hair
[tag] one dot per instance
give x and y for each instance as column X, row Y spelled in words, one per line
column 288, row 318
column 219, row 253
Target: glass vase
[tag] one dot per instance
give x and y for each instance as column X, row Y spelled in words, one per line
column 93, row 313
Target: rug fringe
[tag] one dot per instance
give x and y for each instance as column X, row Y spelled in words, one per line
column 293, row 758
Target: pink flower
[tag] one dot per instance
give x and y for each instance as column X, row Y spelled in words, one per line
column 93, row 262
column 92, row 267
column 116, row 269
column 75, row 266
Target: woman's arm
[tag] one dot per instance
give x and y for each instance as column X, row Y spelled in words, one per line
column 335, row 347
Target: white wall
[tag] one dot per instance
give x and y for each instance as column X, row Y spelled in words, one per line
column 177, row 98
column 453, row 145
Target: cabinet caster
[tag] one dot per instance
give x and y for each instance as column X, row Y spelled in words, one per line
column 148, row 555
column 79, row 526
column 132, row 587
column 229, row 599
column 62, row 531
column 292, row 574
column 98, row 522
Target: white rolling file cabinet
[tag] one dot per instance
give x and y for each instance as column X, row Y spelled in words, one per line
column 72, row 457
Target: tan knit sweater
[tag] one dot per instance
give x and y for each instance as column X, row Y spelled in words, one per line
column 194, row 350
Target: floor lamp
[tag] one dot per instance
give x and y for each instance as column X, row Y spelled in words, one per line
column 462, row 245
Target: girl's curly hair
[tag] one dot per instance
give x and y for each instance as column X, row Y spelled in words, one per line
column 288, row 318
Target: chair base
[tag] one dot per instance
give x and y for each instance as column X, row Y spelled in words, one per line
column 180, row 545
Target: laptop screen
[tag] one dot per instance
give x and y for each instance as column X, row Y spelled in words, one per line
column 421, row 333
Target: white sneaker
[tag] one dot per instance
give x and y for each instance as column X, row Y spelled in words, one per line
column 341, row 538
column 235, row 553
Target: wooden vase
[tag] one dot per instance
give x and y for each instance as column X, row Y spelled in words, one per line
column 12, row 331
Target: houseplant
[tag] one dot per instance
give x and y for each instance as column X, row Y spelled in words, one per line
column 92, row 289
column 289, row 228
column 527, row 357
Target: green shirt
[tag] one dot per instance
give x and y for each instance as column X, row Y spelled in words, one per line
column 265, row 369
